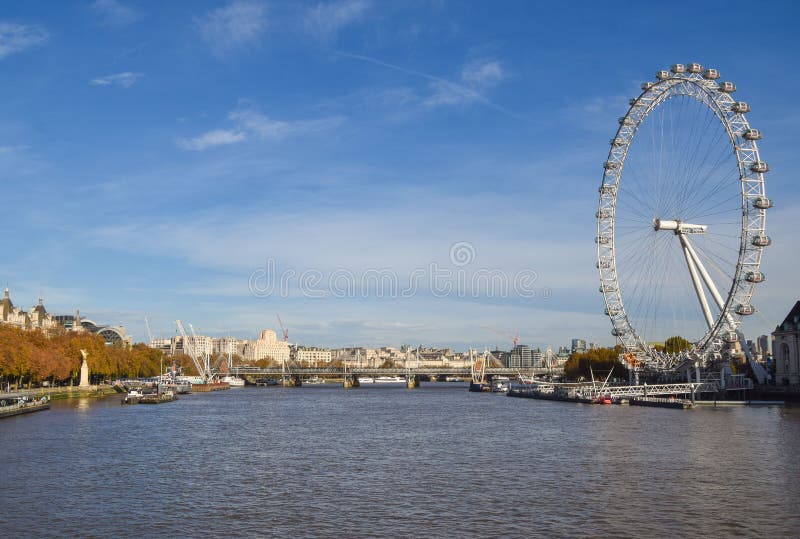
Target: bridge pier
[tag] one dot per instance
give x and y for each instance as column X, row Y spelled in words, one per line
column 350, row 381
column 412, row 381
column 291, row 380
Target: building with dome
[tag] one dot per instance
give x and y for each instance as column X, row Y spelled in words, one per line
column 36, row 318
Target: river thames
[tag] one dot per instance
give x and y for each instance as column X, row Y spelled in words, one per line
column 385, row 461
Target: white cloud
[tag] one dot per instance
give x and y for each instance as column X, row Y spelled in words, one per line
column 482, row 73
column 237, row 26
column 324, row 21
column 218, row 137
column 19, row 37
column 114, row 13
column 252, row 123
column 264, row 127
column 126, row 79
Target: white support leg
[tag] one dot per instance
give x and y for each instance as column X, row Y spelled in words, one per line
column 707, row 279
column 698, row 287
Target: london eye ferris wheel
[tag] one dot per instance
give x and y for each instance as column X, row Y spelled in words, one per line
column 681, row 218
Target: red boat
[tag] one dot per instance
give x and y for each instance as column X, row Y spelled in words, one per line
column 602, row 399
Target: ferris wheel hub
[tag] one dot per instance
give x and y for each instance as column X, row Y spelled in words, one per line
column 679, row 227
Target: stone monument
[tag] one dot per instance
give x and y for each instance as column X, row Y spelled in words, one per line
column 84, row 372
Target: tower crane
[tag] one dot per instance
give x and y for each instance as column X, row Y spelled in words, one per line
column 284, row 331
column 514, row 338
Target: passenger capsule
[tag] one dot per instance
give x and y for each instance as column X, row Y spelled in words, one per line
column 603, row 264
column 607, row 287
column 678, row 68
column 762, row 203
column 633, row 101
column 711, row 74
column 607, row 189
column 603, row 214
column 662, row 75
column 617, row 332
column 754, row 277
column 731, row 338
column 602, row 240
column 610, row 165
column 741, row 107
column 759, row 166
column 647, row 85
column 611, row 312
column 625, row 121
column 727, row 87
column 618, row 142
column 744, row 310
column 762, row 240
column 752, row 134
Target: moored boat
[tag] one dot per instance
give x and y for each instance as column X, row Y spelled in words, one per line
column 390, row 380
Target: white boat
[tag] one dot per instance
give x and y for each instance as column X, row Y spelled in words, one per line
column 234, row 381
column 389, row 380
column 366, row 380
column 314, row 381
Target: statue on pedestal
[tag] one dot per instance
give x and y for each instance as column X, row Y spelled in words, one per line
column 84, row 372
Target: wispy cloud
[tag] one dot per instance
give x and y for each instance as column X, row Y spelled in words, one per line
column 476, row 77
column 250, row 122
column 324, row 21
column 19, row 37
column 115, row 14
column 240, row 25
column 218, row 137
column 126, row 79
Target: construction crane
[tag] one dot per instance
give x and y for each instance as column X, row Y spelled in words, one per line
column 149, row 333
column 284, row 331
column 514, row 338
column 202, row 366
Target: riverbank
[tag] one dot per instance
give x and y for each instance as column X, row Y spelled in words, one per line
column 60, row 393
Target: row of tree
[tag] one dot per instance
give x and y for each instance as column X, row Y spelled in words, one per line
column 598, row 362
column 33, row 356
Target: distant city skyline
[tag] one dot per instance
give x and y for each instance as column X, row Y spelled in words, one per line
column 158, row 156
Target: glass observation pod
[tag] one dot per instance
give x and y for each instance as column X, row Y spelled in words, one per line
column 731, row 338
column 618, row 142
column 759, row 166
column 605, row 264
column 602, row 240
column 647, row 85
column 633, row 101
column 662, row 75
column 711, row 74
column 762, row 203
column 744, row 310
column 624, row 120
column 761, row 240
column 727, row 87
column 617, row 332
column 741, row 107
column 694, row 67
column 752, row 134
column 611, row 312
column 608, row 287
column 678, row 68
column 754, row 277
column 603, row 214
column 610, row 165
column 607, row 189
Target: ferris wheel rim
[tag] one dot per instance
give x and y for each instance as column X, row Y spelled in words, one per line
column 702, row 85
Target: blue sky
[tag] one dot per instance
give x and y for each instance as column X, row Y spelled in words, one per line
column 156, row 155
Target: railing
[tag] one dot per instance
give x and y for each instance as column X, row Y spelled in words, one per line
column 458, row 371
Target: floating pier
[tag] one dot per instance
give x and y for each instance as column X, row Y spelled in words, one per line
column 20, row 406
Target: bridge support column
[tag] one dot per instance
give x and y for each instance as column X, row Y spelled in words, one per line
column 412, row 381
column 350, row 381
column 291, row 380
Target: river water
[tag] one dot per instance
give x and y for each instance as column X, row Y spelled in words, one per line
column 385, row 461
